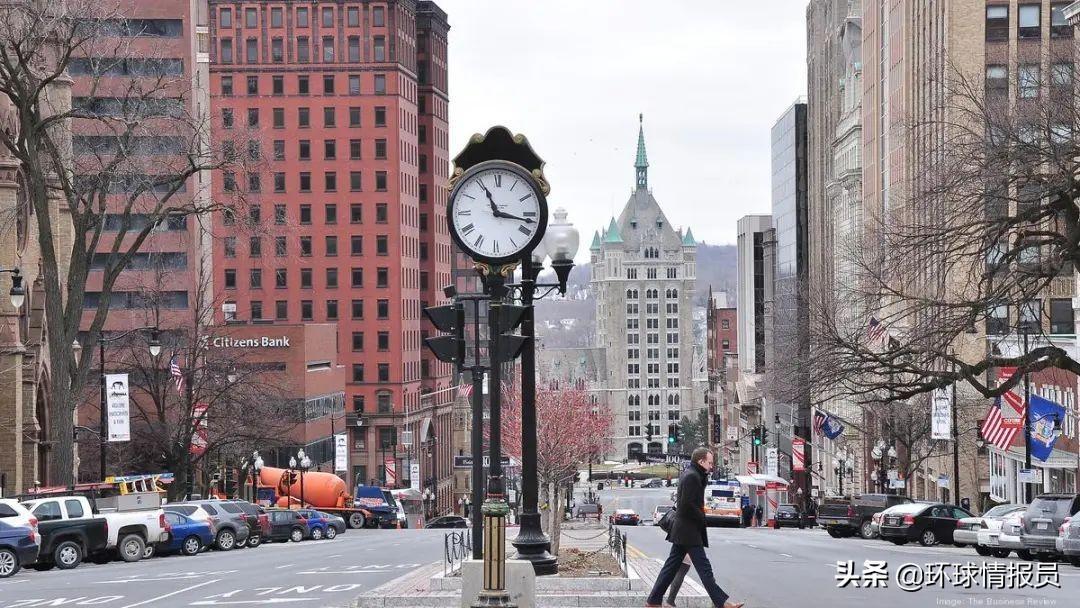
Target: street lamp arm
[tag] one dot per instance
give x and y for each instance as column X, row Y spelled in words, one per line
column 113, row 338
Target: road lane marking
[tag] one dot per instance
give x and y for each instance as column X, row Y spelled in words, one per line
column 269, row 600
column 171, row 577
column 284, row 566
column 785, row 555
column 172, row 593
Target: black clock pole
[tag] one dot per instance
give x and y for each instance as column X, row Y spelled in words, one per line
column 495, row 507
column 531, row 542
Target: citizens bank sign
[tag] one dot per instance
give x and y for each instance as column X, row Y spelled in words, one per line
column 257, row 342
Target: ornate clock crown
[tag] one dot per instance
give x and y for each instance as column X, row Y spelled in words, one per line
column 499, row 143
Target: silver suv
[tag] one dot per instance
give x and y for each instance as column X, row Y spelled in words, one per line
column 1040, row 523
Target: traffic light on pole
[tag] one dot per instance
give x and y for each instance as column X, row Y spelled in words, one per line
column 510, row 345
column 648, row 432
column 764, row 434
column 757, row 435
column 450, row 319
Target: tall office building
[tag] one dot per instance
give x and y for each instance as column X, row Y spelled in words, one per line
column 345, row 102
column 644, row 280
column 756, row 246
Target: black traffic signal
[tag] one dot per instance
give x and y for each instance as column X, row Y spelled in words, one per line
column 757, row 435
column 764, row 434
column 648, row 432
column 450, row 319
column 508, row 318
column 717, row 431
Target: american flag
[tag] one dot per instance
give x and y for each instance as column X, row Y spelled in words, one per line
column 876, row 331
column 176, row 372
column 1001, row 430
column 465, row 390
column 819, row 421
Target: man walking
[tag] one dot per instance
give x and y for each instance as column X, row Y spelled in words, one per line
column 688, row 534
column 758, row 514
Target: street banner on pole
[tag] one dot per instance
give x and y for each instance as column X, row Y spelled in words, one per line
column 751, row 468
column 414, row 476
column 341, row 452
column 391, row 471
column 798, row 454
column 118, row 407
column 941, row 413
column 1045, row 416
column 199, row 436
column 771, row 461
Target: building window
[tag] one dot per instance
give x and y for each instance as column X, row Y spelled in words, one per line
column 354, row 49
column 305, row 246
column 226, row 50
column 1059, row 25
column 997, row 79
column 307, row 310
column 382, row 277
column 354, row 84
column 279, row 215
column 358, row 341
column 380, row 116
column 1029, row 21
column 331, row 214
column 330, row 181
column 331, row 246
column 380, row 55
column 302, row 17
column 225, row 17
column 328, row 84
column 328, row 16
column 358, row 372
column 279, row 118
column 380, row 181
column 1061, row 76
column 279, row 154
column 226, row 86
column 354, row 117
column 1028, row 81
column 251, row 18
column 305, row 278
column 303, row 85
column 1061, row 316
column 331, row 310
column 384, row 372
column 384, row 340
column 997, row 22
column 305, row 181
column 381, row 211
column 281, row 310
column 230, row 278
column 725, row 324
column 378, row 16
column 303, row 118
column 1030, row 316
column 355, row 181
column 330, row 149
column 354, row 149
column 329, row 117
column 253, row 117
column 304, row 149
column 256, row 311
column 230, row 246
column 281, row 278
column 279, row 178
column 383, row 309
column 353, row 16
column 356, row 245
column 281, row 246
column 275, row 17
column 303, row 50
column 382, row 245
column 251, row 56
column 380, row 84
column 255, row 246
column 328, row 48
column 357, row 275
column 357, row 309
column 331, row 278
column 255, row 278
column 277, row 55
column 227, row 118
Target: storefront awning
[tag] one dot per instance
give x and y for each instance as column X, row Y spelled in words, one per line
column 759, row 479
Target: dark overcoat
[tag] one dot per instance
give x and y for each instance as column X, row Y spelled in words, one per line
column 688, row 529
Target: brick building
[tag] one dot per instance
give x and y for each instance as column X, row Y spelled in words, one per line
column 344, row 104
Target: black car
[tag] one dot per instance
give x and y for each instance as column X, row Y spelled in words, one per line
column 251, row 513
column 448, row 521
column 790, row 515
column 286, row 525
column 929, row 524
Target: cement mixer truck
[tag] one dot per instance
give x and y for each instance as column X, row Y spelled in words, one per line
column 368, row 507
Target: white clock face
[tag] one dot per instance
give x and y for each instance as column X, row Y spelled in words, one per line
column 496, row 212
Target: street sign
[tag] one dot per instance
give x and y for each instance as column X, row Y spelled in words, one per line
column 897, row 484
column 943, row 481
column 1031, row 476
column 732, row 434
column 465, row 462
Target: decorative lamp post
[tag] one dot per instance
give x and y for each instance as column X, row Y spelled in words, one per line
column 256, row 466
column 561, row 243
column 305, row 464
column 292, row 467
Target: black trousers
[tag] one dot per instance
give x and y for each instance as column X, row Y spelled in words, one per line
column 701, row 564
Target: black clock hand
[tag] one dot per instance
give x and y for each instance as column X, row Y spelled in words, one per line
column 508, row 216
column 491, row 201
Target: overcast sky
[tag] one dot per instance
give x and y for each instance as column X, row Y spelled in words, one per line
column 710, row 76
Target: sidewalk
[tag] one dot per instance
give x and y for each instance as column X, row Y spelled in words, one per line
column 427, row 588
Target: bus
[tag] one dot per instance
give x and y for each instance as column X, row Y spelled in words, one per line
column 723, row 503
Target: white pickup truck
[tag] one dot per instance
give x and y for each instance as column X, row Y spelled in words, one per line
column 136, row 522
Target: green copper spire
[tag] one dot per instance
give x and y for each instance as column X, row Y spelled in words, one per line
column 595, row 242
column 641, row 165
column 688, row 239
column 612, row 235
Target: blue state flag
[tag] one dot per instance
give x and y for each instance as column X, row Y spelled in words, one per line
column 832, row 427
column 1041, row 418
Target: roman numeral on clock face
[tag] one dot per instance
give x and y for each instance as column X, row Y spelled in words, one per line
column 495, row 246
column 524, row 230
column 464, row 212
column 479, row 240
column 498, row 180
column 528, row 214
column 467, row 229
column 525, row 198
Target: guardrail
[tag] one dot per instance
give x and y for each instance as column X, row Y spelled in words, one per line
column 457, row 547
column 617, row 545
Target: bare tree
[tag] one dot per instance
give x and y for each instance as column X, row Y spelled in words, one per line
column 985, row 222
column 97, row 198
column 222, row 406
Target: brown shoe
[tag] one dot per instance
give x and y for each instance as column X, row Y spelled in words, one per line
column 733, row 605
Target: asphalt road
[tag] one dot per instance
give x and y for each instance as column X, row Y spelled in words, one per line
column 781, row 568
column 307, row 574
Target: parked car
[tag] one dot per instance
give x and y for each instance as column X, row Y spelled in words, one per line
column 967, row 529
column 287, row 525
column 135, row 522
column 929, row 524
column 335, row 522
column 19, row 546
column 251, row 517
column 790, row 515
column 842, row 518
column 229, row 529
column 1008, row 538
column 448, row 521
column 658, row 513
column 653, row 483
column 187, row 535
column 15, row 514
column 318, row 526
column 69, row 532
column 1042, row 520
column 625, row 517
column 1069, row 540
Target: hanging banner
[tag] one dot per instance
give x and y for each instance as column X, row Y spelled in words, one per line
column 771, row 461
column 798, row 454
column 118, row 407
column 941, row 413
column 751, row 468
column 391, row 471
column 198, row 420
column 414, row 476
column 1045, row 418
column 341, row 452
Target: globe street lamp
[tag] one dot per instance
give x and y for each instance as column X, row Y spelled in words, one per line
column 305, row 464
column 256, row 466
column 560, row 243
